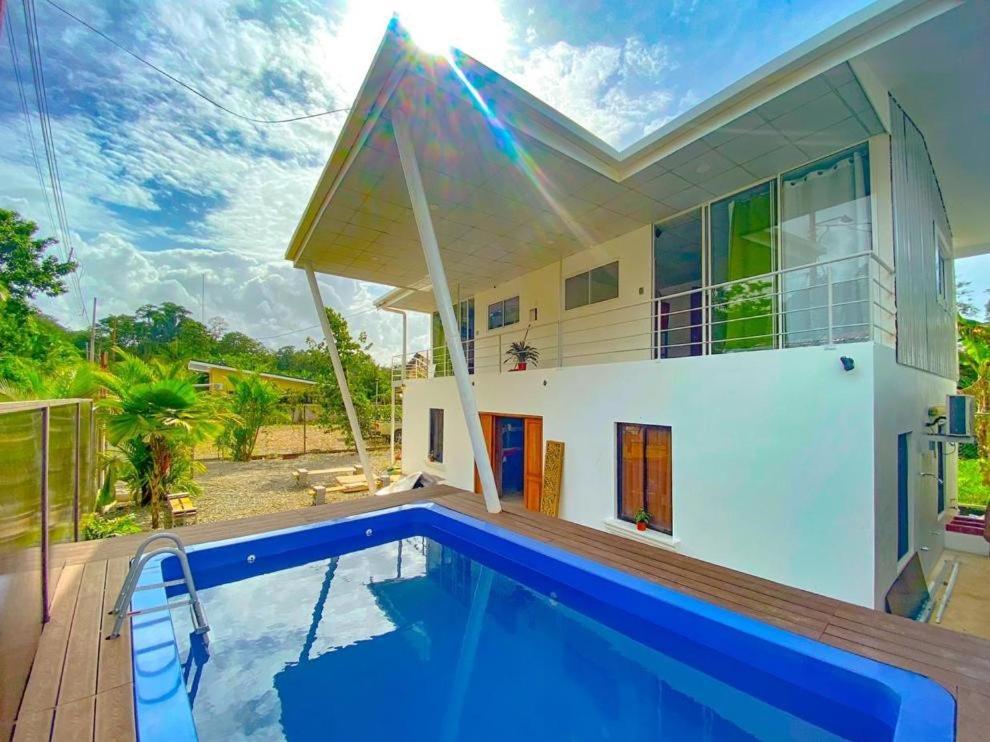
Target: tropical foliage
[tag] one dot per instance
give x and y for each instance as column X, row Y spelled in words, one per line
column 156, row 417
column 366, row 380
column 29, row 341
column 254, row 404
column 96, row 526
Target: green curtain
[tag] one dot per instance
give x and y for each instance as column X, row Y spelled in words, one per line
column 747, row 322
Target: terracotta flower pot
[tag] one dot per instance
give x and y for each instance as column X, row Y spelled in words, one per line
column 641, row 525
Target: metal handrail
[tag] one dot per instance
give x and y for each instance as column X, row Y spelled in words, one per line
column 874, row 290
column 130, row 586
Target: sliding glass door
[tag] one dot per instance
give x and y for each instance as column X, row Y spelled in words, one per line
column 464, row 312
column 742, row 246
column 677, row 282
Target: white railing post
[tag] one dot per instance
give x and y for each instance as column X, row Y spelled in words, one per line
column 338, row 370
column 831, row 321
column 445, row 307
column 391, row 440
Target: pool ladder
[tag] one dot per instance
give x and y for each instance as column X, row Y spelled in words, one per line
column 130, row 586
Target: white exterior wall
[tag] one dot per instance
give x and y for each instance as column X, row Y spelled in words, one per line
column 772, row 452
column 619, row 329
column 903, row 396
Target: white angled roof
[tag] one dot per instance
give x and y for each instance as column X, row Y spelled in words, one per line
column 514, row 185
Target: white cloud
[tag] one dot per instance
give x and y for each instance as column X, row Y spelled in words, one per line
column 139, row 140
column 613, row 91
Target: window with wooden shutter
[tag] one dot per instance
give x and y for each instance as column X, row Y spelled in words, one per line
column 644, row 474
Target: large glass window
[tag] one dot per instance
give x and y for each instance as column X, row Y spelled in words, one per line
column 644, row 474
column 825, row 216
column 742, row 312
column 598, row 284
column 503, row 313
column 677, row 280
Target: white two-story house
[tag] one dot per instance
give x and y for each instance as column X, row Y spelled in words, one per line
column 742, row 321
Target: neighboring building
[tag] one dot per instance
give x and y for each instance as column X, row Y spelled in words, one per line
column 217, row 378
column 742, row 319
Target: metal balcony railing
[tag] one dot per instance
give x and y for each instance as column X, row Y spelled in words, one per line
column 843, row 300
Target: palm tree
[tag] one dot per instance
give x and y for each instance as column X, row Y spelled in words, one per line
column 159, row 419
column 76, row 381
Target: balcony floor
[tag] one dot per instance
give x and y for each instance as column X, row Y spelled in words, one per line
column 80, row 685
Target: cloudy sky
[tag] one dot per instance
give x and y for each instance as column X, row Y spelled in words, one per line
column 162, row 188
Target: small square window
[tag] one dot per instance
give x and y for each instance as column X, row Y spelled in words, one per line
column 496, row 315
column 604, row 282
column 598, row 284
column 503, row 313
column 511, row 312
column 576, row 291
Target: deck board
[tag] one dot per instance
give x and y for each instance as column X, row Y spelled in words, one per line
column 81, row 685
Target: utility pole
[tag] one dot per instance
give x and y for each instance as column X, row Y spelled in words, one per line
column 202, row 296
column 92, row 335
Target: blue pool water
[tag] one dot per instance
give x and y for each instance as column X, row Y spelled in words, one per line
column 415, row 640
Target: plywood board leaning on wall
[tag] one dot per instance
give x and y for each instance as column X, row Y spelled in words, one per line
column 553, row 472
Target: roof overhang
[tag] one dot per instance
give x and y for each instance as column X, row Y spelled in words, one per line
column 514, row 185
column 204, row 367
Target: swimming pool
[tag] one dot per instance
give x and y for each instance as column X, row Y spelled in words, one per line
column 422, row 623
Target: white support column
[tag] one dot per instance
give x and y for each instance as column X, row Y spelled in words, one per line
column 338, row 370
column 445, row 307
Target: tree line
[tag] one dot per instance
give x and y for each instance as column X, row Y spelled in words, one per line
column 38, row 355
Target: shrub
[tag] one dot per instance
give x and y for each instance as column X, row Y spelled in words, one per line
column 254, row 403
column 96, row 526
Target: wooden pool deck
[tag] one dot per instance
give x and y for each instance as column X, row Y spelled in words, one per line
column 80, row 686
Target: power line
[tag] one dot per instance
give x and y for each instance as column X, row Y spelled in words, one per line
column 22, row 98
column 186, row 85
column 48, row 140
column 351, row 318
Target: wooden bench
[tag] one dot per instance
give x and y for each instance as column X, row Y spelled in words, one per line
column 302, row 475
column 182, row 508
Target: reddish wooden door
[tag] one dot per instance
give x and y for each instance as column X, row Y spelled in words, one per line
column 532, row 462
column 488, row 428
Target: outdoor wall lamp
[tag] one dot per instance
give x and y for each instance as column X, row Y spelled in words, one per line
column 848, row 364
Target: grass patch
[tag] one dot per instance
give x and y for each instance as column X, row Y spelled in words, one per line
column 972, row 491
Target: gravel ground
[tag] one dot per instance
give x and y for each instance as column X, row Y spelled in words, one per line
column 235, row 489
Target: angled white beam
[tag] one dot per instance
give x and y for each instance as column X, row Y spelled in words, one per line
column 338, row 371
column 445, row 307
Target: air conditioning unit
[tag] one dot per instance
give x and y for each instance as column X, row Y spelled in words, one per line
column 959, row 416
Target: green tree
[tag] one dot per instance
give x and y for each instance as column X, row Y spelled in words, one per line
column 253, row 403
column 365, row 379
column 154, row 417
column 25, row 269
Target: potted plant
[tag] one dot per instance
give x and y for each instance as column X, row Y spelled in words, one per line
column 522, row 353
column 642, row 519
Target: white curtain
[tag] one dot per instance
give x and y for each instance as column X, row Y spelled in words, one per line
column 825, row 215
